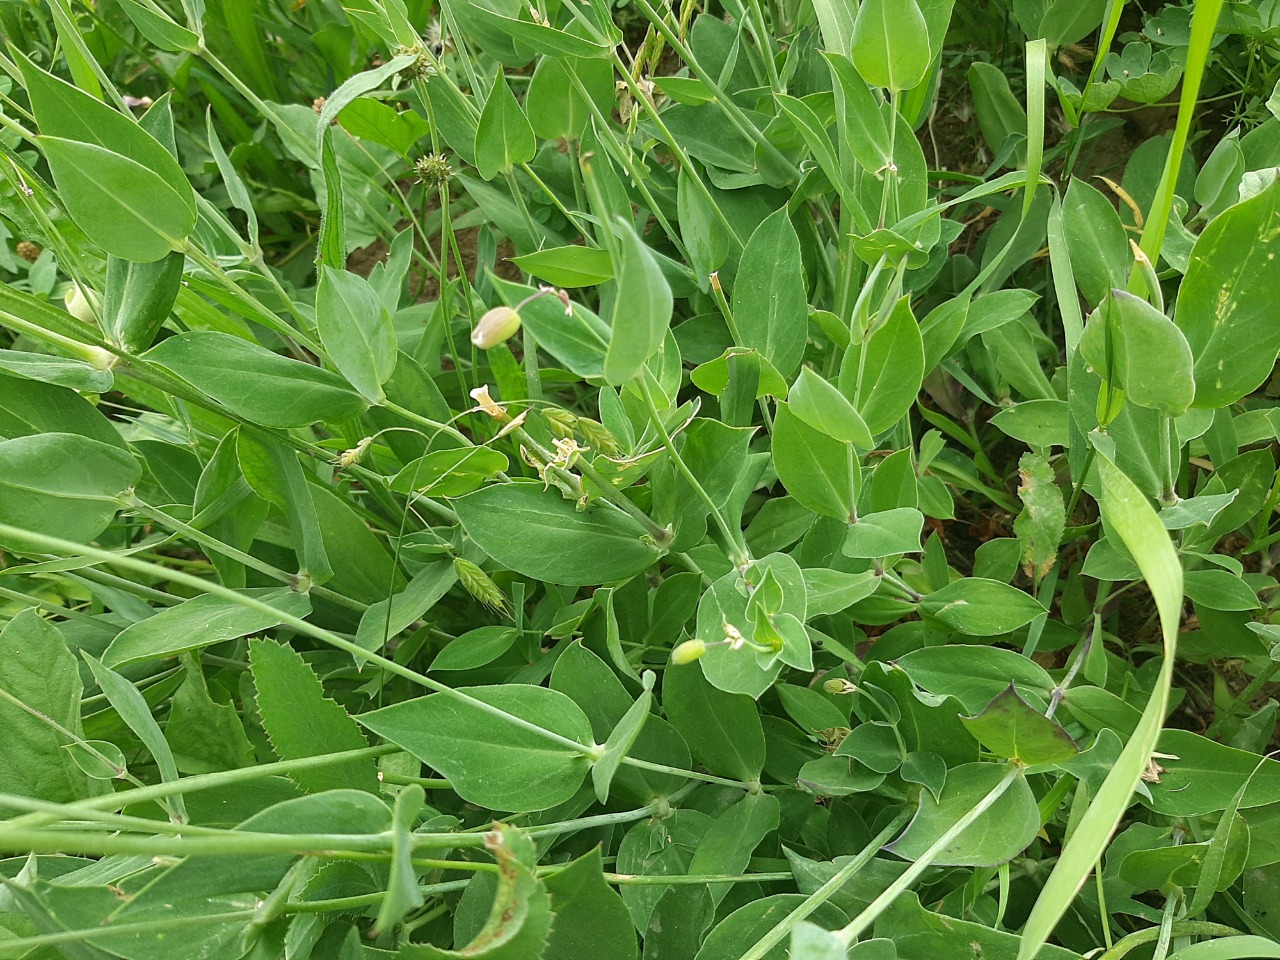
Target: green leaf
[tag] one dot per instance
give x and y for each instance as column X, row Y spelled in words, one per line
column 63, row 485
column 1038, row 423
column 819, row 404
column 830, row 591
column 864, row 124
column 388, row 618
column 589, row 919
column 538, row 533
column 450, row 473
column 714, row 375
column 256, row 384
column 1229, row 948
column 1011, row 728
column 975, row 675
column 882, row 376
column 730, row 602
column 1130, row 516
column 205, row 736
column 723, row 730
column 1099, row 248
column 159, row 28
column 1001, row 118
column 374, row 120
column 873, row 744
column 680, row 918
column 727, row 845
column 621, row 739
column 700, row 228
column 1001, row 833
column 99, row 759
column 122, row 206
column 1205, row 775
column 556, row 106
column 139, row 298
column 891, row 44
column 120, row 184
column 1223, row 301
column 1134, row 346
column 503, row 137
column 200, row 622
column 818, row 471
column 981, row 608
column 519, row 918
column 884, row 534
column 38, row 673
column 475, row 648
column 571, row 266
column 579, row 341
column 302, row 722
column 331, row 245
column 920, row 932
column 488, row 760
column 356, row 331
column 770, row 305
column 740, row 931
column 74, row 374
column 641, row 309
column 1043, row 518
column 403, row 894
column 274, row 473
column 136, row 713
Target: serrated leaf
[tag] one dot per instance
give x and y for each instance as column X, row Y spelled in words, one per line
column 302, row 722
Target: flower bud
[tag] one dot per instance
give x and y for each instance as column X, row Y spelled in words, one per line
column 81, row 303
column 497, row 326
column 688, row 652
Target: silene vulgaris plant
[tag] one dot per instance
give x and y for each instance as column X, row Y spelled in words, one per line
column 589, row 481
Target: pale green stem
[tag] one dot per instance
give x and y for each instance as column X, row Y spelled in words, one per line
column 58, row 545
column 742, row 556
column 854, row 929
column 765, row 944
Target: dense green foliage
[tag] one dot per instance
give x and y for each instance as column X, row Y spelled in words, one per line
column 582, row 481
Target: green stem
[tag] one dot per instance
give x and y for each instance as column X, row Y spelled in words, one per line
column 226, row 550
column 1204, row 20
column 741, row 556
column 205, row 781
column 765, row 944
column 58, row 545
column 851, row 931
column 1181, row 928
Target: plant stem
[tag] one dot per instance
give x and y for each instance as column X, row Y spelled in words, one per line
column 740, row 555
column 58, row 545
column 854, row 929
column 765, row 944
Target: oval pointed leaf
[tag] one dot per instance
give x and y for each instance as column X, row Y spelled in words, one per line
column 261, row 386
column 488, row 760
column 538, row 533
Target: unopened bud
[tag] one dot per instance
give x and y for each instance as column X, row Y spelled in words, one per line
column 836, row 686
column 497, row 326
column 688, row 652
column 81, row 303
